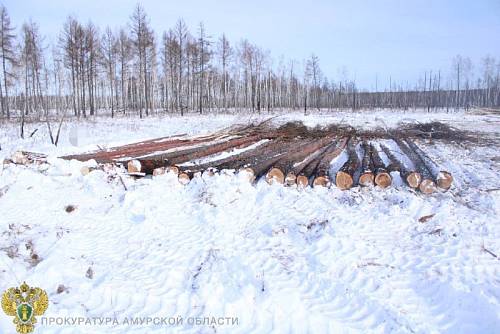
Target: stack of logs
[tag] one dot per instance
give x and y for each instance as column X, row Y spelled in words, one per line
column 278, row 156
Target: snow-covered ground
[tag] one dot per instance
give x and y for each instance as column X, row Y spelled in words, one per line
column 277, row 259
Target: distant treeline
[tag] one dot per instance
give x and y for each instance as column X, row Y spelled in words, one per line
column 132, row 70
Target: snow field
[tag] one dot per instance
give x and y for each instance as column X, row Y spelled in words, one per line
column 280, row 259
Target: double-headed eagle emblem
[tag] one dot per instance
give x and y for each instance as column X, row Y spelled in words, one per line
column 25, row 303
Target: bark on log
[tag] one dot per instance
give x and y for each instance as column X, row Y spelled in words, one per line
column 149, row 164
column 366, row 178
column 411, row 177
column 262, row 149
column 306, row 175
column 282, row 169
column 136, row 150
column 382, row 177
column 150, row 146
column 25, row 157
column 427, row 185
column 345, row 176
column 247, row 158
column 257, row 166
column 303, row 170
column 322, row 172
column 188, row 155
column 185, row 177
column 442, row 178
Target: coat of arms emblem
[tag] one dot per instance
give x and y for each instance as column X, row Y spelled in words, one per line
column 25, row 303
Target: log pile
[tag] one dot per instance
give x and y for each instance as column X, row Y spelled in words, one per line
column 290, row 155
column 427, row 184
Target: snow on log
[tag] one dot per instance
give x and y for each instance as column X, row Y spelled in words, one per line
column 159, row 171
column 307, row 172
column 152, row 146
column 172, row 169
column 184, row 156
column 261, row 153
column 24, row 158
column 149, row 164
column 303, row 170
column 366, row 178
column 427, row 185
column 382, row 177
column 411, row 177
column 442, row 178
column 19, row 158
column 284, row 166
column 275, row 175
column 134, row 166
column 322, row 169
column 256, row 166
column 345, row 176
column 184, row 177
column 137, row 149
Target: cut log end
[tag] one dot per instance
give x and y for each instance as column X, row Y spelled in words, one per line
column 275, row 175
column 172, row 169
column 184, row 178
column 444, row 180
column 159, row 171
column 427, row 186
column 413, row 179
column 322, row 181
column 20, row 158
column 366, row 179
column 343, row 180
column 85, row 170
column 383, row 180
column 247, row 173
column 290, row 179
column 208, row 173
column 134, row 166
column 302, row 181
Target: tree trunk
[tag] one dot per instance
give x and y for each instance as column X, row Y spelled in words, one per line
column 427, row 185
column 366, row 178
column 382, row 177
column 442, row 178
column 323, row 168
column 206, row 150
column 284, row 166
column 411, row 177
column 345, row 176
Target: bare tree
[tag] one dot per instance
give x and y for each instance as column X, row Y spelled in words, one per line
column 225, row 53
column 141, row 39
column 110, row 49
column 124, row 57
column 204, row 58
column 315, row 74
column 7, row 39
column 31, row 56
column 181, row 36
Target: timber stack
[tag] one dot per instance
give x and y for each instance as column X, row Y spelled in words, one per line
column 290, row 155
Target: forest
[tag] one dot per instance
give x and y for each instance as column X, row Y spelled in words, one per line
column 133, row 70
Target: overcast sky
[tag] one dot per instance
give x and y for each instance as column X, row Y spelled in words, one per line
column 370, row 39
